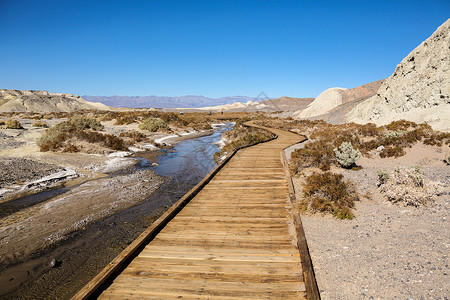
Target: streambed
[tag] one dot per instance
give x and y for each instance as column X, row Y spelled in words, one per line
column 87, row 251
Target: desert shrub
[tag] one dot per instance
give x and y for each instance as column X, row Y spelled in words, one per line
column 383, row 177
column 13, row 124
column 56, row 137
column 135, row 136
column 409, row 187
column 125, row 120
column 40, row 124
column 241, row 136
column 437, row 139
column 395, row 133
column 314, row 154
column 154, row 124
column 346, row 156
column 85, row 123
column 328, row 192
column 395, row 151
column 71, row 148
column 2, row 122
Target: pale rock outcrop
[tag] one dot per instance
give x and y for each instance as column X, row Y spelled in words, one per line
column 44, row 102
column 325, row 102
column 332, row 98
column 418, row 90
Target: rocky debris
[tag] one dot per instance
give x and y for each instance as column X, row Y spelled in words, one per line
column 8, row 141
column 418, row 90
column 44, row 102
column 14, row 171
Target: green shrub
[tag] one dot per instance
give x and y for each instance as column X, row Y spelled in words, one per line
column 13, row 124
column 383, row 177
column 346, row 156
column 40, row 124
column 154, row 124
column 328, row 192
column 80, row 122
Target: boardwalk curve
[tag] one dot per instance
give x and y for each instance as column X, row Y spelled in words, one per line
column 235, row 239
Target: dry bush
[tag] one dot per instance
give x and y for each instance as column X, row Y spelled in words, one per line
column 13, row 124
column 328, row 192
column 314, row 154
column 2, row 122
column 58, row 136
column 40, row 124
column 133, row 135
column 154, row 124
column 241, row 136
column 409, row 187
column 81, row 123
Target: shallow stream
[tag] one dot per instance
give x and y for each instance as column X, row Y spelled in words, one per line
column 85, row 253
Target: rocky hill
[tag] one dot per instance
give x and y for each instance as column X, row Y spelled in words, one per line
column 43, row 102
column 334, row 97
column 418, row 90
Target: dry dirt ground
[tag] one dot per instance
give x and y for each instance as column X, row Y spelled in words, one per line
column 93, row 195
column 389, row 251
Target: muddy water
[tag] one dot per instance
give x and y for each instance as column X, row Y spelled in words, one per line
column 86, row 252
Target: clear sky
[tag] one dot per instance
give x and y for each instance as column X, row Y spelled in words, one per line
column 211, row 48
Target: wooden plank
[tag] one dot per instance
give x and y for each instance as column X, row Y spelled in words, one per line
column 229, row 238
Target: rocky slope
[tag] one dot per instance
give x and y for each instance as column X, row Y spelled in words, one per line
column 334, row 97
column 418, row 90
column 43, row 102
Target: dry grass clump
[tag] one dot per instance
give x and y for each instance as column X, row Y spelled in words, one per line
column 2, row 122
column 133, row 135
column 13, row 124
column 408, row 186
column 241, row 136
column 328, row 192
column 154, row 124
column 40, row 124
column 62, row 135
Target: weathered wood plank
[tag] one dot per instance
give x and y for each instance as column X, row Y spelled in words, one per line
column 232, row 240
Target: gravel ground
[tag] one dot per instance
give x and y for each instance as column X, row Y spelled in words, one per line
column 389, row 251
column 8, row 141
column 15, row 170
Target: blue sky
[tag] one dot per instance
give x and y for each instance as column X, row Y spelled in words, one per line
column 211, row 48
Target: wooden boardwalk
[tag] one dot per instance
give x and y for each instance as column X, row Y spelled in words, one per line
column 235, row 239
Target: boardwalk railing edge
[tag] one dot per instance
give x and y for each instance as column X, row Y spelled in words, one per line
column 312, row 290
column 101, row 281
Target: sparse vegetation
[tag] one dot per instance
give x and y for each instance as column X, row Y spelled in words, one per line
column 154, row 124
column 61, row 136
column 13, row 124
column 328, row 192
column 241, row 136
column 409, row 187
column 40, row 124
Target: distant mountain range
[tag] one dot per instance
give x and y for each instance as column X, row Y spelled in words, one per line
column 191, row 101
